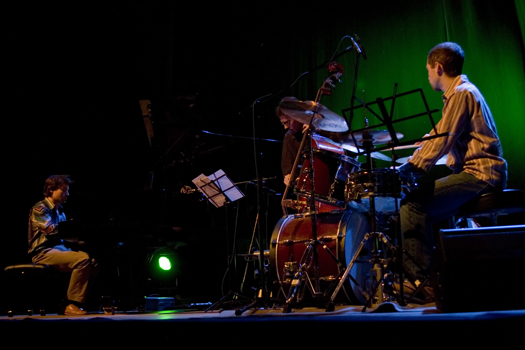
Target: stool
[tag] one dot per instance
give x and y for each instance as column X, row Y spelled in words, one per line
column 491, row 206
column 28, row 285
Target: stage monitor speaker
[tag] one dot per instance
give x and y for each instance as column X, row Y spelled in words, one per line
column 480, row 269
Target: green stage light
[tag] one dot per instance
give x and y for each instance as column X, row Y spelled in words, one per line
column 164, row 263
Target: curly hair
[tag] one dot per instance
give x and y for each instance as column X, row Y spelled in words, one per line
column 278, row 111
column 450, row 55
column 54, row 182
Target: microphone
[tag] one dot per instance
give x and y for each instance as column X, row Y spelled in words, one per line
column 187, row 190
column 361, row 49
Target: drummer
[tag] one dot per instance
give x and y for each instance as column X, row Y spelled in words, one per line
column 291, row 144
column 474, row 154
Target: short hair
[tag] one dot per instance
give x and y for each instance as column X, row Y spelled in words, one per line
column 278, row 110
column 450, row 55
column 54, row 182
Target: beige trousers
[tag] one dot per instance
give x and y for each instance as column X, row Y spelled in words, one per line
column 81, row 266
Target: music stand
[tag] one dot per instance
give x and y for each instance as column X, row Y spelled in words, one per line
column 220, row 191
column 218, row 188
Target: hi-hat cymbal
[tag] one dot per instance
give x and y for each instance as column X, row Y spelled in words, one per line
column 323, row 118
column 376, row 155
column 375, row 136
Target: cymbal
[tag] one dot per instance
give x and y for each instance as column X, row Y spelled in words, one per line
column 375, row 136
column 376, row 155
column 317, row 137
column 323, row 118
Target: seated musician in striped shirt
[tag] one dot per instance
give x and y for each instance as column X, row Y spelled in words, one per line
column 474, row 156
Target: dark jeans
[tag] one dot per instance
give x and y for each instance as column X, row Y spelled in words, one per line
column 430, row 204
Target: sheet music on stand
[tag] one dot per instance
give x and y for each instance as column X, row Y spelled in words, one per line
column 218, row 188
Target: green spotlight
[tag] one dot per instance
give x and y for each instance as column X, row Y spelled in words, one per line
column 164, row 263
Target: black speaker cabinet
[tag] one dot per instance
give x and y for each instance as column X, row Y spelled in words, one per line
column 480, row 269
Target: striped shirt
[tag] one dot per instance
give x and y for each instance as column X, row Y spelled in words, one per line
column 473, row 145
column 43, row 225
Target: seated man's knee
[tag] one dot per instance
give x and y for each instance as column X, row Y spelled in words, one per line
column 82, row 260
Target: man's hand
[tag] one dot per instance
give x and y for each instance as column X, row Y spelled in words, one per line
column 305, row 128
column 410, row 170
column 287, row 179
column 74, row 243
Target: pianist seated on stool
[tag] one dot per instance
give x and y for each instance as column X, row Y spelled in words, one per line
column 46, row 247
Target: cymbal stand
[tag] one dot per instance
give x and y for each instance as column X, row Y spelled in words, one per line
column 386, row 120
column 310, row 258
column 376, row 272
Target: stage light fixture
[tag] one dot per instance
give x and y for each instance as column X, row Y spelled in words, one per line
column 164, row 263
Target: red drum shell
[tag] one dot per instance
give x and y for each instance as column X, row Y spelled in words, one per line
column 329, row 162
column 341, row 232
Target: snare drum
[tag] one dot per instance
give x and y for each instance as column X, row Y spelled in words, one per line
column 342, row 233
column 388, row 186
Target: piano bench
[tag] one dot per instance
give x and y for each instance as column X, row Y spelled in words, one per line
column 27, row 285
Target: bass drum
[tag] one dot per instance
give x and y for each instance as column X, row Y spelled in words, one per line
column 341, row 232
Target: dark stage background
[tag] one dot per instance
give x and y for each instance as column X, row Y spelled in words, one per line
column 73, row 76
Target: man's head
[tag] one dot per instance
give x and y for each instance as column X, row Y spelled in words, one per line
column 289, row 124
column 56, row 188
column 444, row 62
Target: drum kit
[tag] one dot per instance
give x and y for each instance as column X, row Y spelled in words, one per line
column 331, row 248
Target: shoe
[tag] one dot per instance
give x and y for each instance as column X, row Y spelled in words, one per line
column 72, row 309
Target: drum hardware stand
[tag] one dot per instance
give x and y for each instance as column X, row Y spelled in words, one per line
column 377, row 269
column 419, row 287
column 310, row 255
column 311, row 250
column 302, row 273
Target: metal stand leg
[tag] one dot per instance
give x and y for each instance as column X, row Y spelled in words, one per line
column 376, row 272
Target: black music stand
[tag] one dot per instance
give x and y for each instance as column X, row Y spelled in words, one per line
column 220, row 191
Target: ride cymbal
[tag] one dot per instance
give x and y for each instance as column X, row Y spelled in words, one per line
column 375, row 136
column 319, row 116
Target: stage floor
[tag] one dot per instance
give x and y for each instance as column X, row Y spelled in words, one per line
column 388, row 324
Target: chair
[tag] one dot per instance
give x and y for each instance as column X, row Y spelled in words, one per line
column 28, row 286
